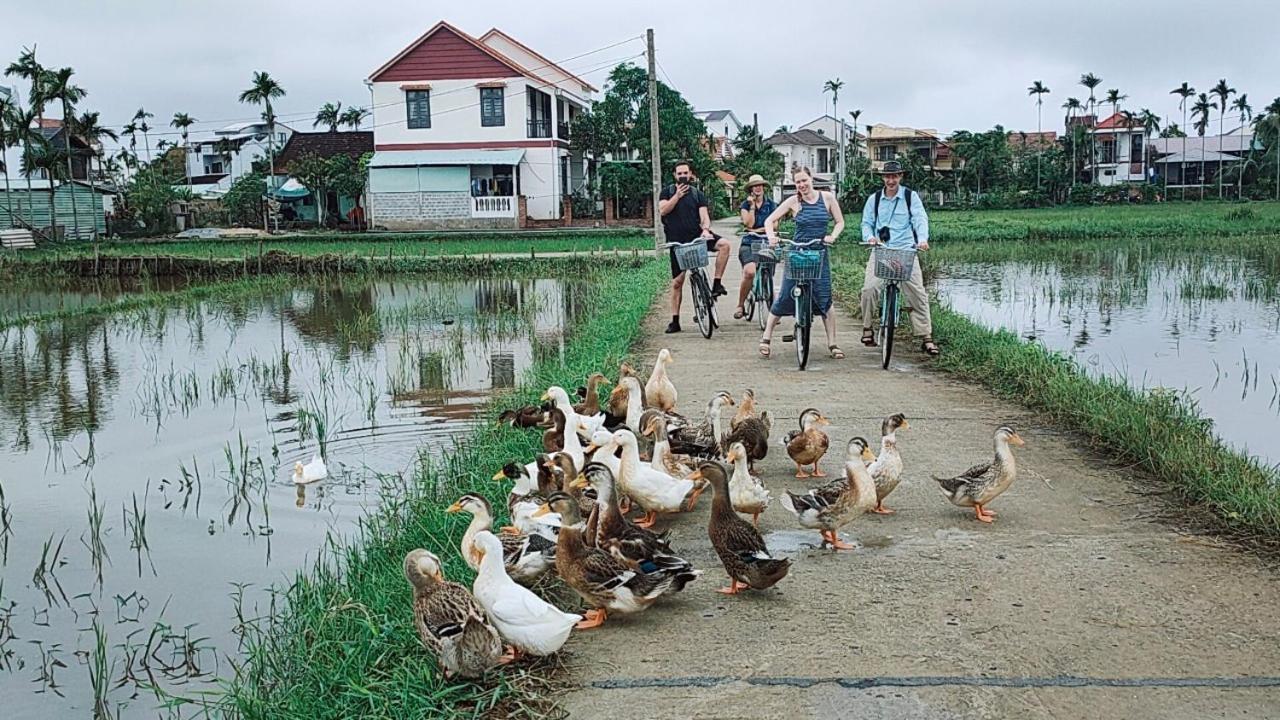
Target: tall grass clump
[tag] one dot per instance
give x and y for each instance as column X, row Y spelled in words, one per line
column 345, row 645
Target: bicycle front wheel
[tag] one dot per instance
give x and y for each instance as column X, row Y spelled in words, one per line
column 804, row 323
column 702, row 305
column 888, row 321
column 764, row 296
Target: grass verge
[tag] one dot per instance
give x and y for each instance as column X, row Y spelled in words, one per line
column 1161, row 432
column 344, row 643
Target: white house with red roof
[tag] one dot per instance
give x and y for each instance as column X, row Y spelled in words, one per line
column 1122, row 151
column 472, row 132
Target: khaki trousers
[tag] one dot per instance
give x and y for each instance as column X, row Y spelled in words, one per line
column 913, row 289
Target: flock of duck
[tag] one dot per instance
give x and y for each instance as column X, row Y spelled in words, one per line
column 570, row 506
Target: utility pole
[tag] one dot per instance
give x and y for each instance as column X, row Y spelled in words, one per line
column 755, row 125
column 655, row 148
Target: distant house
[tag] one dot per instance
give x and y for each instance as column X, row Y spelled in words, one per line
column 805, row 148
column 22, row 208
column 215, row 162
column 722, row 127
column 885, row 143
column 472, row 132
column 828, row 125
column 1032, row 140
column 1121, row 151
column 302, row 204
column 56, row 137
column 1196, row 161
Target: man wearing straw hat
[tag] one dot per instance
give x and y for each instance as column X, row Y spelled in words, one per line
column 895, row 216
column 755, row 209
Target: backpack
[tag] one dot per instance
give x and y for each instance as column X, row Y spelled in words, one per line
column 906, row 195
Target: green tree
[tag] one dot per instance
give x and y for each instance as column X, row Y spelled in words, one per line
column 1114, row 97
column 93, row 132
column 329, row 116
column 1202, row 110
column 1223, row 91
column 1072, row 106
column 1184, row 93
column 7, row 107
column 834, row 87
column 1241, row 105
column 1039, row 90
column 752, row 156
column 353, row 116
column 316, row 174
column 1150, row 126
column 986, row 159
column 50, row 160
column 24, row 135
column 262, row 92
column 58, row 86
column 243, row 200
column 27, row 68
column 148, row 199
column 1267, row 128
column 140, row 119
column 1091, row 81
column 350, row 176
column 183, row 122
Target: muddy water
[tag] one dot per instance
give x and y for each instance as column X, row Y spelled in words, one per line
column 1208, row 326
column 22, row 297
column 145, row 462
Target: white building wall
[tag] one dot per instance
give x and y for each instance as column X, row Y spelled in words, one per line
column 556, row 79
column 455, row 113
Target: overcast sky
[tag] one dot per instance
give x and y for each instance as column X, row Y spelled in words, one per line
column 924, row 63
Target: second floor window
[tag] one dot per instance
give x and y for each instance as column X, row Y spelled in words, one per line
column 418, row 105
column 886, row 152
column 492, row 107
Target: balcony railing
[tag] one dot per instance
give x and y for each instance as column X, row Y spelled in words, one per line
column 494, row 206
column 562, row 130
column 539, row 128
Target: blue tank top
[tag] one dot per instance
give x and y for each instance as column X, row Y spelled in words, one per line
column 811, row 221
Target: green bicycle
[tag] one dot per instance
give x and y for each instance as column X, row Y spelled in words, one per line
column 760, row 297
column 893, row 267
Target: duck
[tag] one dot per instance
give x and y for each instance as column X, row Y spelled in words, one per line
column 604, row 582
column 563, row 470
column 980, row 484
column 529, row 416
column 450, row 622
column 314, row 471
column 703, row 439
column 807, row 445
column 834, row 505
column 527, row 495
column 653, row 490
column 560, row 399
column 530, row 624
column 626, row 403
column 638, row 547
column 553, row 437
column 749, row 429
column 737, row 543
column 660, row 392
column 527, row 555
column 653, row 423
column 886, row 469
column 747, row 492
column 590, row 405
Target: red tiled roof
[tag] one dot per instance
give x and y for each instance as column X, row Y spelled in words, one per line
column 325, row 144
column 452, row 55
column 1117, row 121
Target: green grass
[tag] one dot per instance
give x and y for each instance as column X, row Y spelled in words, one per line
column 1161, row 432
column 1205, row 219
column 344, row 645
column 399, row 245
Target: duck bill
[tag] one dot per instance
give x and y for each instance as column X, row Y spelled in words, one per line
column 543, row 510
column 822, row 420
column 695, row 475
column 1016, row 439
column 453, row 508
column 590, row 448
column 500, row 475
column 545, row 397
column 905, row 425
column 868, row 455
column 579, row 483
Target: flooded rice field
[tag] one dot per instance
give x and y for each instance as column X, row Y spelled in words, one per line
column 1207, row 325
column 146, row 497
column 19, row 297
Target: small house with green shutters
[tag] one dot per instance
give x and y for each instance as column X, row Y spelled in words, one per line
column 26, row 204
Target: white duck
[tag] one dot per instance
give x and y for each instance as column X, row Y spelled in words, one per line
column 653, row 490
column 523, row 500
column 605, row 448
column 527, row 556
column 529, row 623
column 560, row 398
column 660, row 392
column 747, row 492
column 886, row 470
column 313, row 471
column 654, row 424
column 635, row 406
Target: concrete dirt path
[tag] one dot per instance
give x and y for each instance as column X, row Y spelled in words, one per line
column 1074, row 604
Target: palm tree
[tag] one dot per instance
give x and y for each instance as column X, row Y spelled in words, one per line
column 329, row 115
column 1150, row 126
column 1039, row 90
column 1202, row 109
column 226, row 151
column 27, row 68
column 1072, row 105
column 131, row 130
column 7, row 106
column 1224, row 93
column 353, row 116
column 93, row 132
column 1092, row 81
column 1246, row 112
column 23, row 134
column 782, row 129
column 855, row 114
column 44, row 156
column 58, row 86
column 833, row 87
column 1114, row 97
column 264, row 90
column 140, row 118
column 183, row 123
column 1183, row 91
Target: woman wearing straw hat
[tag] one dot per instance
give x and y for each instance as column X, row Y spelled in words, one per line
column 755, row 209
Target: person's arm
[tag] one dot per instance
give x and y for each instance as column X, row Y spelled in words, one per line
column 668, row 201
column 771, row 222
column 839, row 217
column 868, row 220
column 920, row 221
column 748, row 216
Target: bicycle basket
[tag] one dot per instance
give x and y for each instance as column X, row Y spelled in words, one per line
column 894, row 264
column 762, row 253
column 804, row 264
column 692, row 256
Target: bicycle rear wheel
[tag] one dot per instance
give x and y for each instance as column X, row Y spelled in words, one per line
column 888, row 321
column 749, row 307
column 804, row 323
column 702, row 305
column 764, row 296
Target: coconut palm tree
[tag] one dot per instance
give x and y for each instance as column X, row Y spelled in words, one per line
column 183, row 122
column 329, row 115
column 27, row 68
column 131, row 130
column 1114, row 97
column 1184, row 92
column 1201, row 110
column 44, row 156
column 58, row 87
column 7, row 106
column 855, row 114
column 262, row 92
column 93, row 132
column 353, row 116
column 1224, row 93
column 833, row 87
column 1241, row 105
column 1039, row 90
column 1150, row 126
column 140, row 118
column 1092, row 81
column 24, row 134
column 1072, row 105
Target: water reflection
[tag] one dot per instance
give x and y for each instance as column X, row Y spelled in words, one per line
column 173, row 432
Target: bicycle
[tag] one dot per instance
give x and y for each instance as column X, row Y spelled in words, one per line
column 803, row 265
column 691, row 257
column 893, row 267
column 760, row 296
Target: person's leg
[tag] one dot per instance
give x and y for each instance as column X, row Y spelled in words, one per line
column 918, row 297
column 744, row 287
column 870, row 298
column 677, row 294
column 767, row 337
column 722, row 247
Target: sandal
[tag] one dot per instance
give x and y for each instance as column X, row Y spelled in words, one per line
column 739, row 313
column 930, row 348
column 765, row 350
column 868, row 337
column 836, row 352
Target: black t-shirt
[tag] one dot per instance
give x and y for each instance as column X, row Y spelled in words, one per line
column 683, row 223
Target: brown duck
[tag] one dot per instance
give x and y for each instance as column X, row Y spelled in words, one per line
column 807, row 445
column 450, row 623
column 737, row 542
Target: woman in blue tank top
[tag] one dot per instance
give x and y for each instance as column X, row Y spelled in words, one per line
column 813, row 210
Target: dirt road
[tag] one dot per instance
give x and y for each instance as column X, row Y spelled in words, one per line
column 1074, row 604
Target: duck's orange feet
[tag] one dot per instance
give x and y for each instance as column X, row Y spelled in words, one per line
column 755, row 519
column 981, row 515
column 510, row 530
column 734, row 588
column 880, row 509
column 648, row 520
column 594, row 619
column 693, row 495
column 512, row 655
column 835, row 542
column 817, row 472
column 800, row 472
